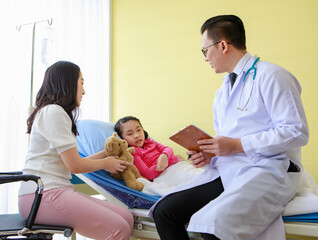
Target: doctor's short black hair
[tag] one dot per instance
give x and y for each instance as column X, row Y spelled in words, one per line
column 120, row 122
column 227, row 27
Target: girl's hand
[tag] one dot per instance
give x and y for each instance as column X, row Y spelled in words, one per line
column 113, row 165
column 197, row 159
column 180, row 158
column 162, row 162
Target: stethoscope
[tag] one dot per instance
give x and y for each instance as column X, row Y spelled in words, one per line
column 244, row 81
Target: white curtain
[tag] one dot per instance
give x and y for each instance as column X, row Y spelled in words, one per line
column 79, row 33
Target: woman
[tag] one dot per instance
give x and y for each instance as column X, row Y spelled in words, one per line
column 53, row 156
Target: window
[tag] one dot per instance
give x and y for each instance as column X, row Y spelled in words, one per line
column 79, row 33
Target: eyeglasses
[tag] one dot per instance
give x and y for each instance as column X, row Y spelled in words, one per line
column 205, row 50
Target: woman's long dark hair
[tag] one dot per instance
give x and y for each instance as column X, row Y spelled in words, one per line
column 59, row 87
column 123, row 120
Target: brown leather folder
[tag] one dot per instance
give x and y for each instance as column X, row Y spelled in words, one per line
column 188, row 137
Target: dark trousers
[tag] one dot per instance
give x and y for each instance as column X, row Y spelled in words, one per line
column 174, row 212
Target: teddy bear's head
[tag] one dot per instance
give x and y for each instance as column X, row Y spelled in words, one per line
column 115, row 146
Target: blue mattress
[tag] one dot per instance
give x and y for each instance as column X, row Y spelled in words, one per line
column 310, row 217
column 131, row 197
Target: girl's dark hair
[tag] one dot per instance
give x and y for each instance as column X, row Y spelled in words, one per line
column 123, row 120
column 59, row 87
column 228, row 27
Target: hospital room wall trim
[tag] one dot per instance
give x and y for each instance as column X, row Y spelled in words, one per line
column 159, row 74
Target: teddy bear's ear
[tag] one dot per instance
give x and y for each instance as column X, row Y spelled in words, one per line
column 115, row 134
column 109, row 146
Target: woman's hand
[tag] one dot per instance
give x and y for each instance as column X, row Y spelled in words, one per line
column 221, row 146
column 76, row 164
column 162, row 162
column 197, row 159
column 114, row 165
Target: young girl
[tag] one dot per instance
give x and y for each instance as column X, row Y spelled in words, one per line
column 156, row 162
column 53, row 156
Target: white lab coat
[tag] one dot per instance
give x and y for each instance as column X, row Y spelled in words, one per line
column 257, row 185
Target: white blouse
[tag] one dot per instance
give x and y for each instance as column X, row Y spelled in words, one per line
column 51, row 135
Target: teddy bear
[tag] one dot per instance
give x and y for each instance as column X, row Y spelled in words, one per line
column 119, row 147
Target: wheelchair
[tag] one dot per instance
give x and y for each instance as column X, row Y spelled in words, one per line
column 13, row 226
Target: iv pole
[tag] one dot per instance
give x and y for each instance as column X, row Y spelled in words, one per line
column 49, row 22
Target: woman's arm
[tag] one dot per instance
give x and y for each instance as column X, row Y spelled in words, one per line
column 97, row 155
column 76, row 164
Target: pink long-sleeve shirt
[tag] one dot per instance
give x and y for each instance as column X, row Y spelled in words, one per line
column 146, row 158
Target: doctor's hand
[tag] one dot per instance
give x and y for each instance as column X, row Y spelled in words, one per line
column 197, row 159
column 221, row 146
column 162, row 162
column 114, row 165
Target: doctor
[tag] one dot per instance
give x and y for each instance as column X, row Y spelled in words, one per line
column 260, row 127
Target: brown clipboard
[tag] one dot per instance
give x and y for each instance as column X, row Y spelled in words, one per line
column 188, row 137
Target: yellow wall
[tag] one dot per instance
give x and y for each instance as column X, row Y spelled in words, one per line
column 159, row 74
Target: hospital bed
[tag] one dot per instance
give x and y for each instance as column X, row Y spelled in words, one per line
column 91, row 139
